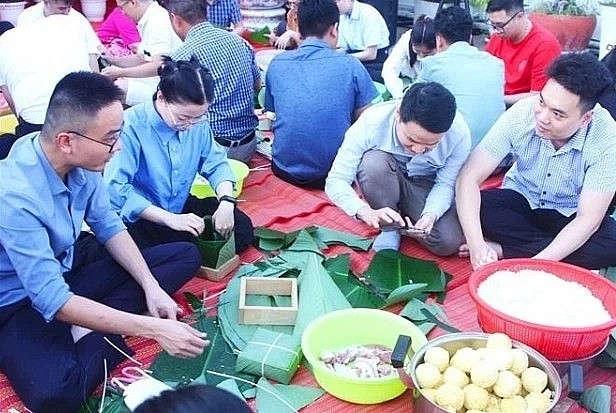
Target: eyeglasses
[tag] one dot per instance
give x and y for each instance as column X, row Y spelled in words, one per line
column 109, row 145
column 500, row 27
column 187, row 121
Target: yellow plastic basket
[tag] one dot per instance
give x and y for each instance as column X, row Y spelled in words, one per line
column 7, row 124
column 202, row 189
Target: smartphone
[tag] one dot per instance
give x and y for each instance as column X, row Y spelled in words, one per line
column 395, row 226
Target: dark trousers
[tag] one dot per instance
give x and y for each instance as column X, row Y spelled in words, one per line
column 24, row 128
column 374, row 67
column 318, row 183
column 6, row 143
column 147, row 233
column 50, row 372
column 506, row 218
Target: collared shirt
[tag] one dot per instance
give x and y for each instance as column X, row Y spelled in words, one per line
column 234, row 69
column 375, row 130
column 398, row 64
column 306, row 144
column 40, row 221
column 157, row 34
column 223, row 13
column 33, row 59
column 35, row 13
column 365, row 27
column 480, row 94
column 552, row 178
column 157, row 164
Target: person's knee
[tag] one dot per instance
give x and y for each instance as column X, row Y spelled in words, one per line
column 244, row 231
column 444, row 243
column 375, row 163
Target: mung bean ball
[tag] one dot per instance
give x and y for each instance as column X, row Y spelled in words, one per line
column 507, row 384
column 539, row 401
column 450, row 397
column 520, row 361
column 455, row 376
column 475, row 397
column 465, row 359
column 428, row 376
column 502, row 358
column 515, row 404
column 534, row 379
column 499, row 341
column 484, row 374
column 437, row 356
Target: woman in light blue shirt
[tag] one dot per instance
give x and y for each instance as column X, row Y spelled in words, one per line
column 166, row 142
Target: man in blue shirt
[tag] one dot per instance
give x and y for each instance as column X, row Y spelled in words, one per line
column 476, row 78
column 236, row 75
column 316, row 93
column 65, row 297
column 406, row 157
column 555, row 199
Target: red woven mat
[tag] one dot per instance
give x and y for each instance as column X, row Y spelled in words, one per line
column 273, row 203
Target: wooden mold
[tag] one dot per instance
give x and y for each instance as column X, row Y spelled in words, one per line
column 217, row 274
column 280, row 316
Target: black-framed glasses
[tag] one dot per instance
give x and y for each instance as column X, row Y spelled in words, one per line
column 109, row 145
column 501, row 27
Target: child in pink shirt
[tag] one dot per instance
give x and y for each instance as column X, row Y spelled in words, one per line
column 119, row 34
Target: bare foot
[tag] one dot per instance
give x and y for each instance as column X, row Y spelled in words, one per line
column 464, row 252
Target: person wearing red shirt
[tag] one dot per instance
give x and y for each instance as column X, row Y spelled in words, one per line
column 527, row 49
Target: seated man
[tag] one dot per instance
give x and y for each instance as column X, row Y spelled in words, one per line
column 166, row 143
column 136, row 74
column 406, row 157
column 33, row 58
column 554, row 200
column 48, row 8
column 526, row 48
column 476, row 79
column 311, row 121
column 364, row 34
column 225, row 14
column 63, row 297
column 234, row 69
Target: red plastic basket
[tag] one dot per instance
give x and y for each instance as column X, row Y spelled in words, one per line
column 555, row 343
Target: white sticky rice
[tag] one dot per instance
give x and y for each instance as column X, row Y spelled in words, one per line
column 543, row 298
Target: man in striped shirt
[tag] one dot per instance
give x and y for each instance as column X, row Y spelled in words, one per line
column 555, row 201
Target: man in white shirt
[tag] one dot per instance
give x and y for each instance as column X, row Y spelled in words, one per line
column 363, row 33
column 50, row 7
column 135, row 73
column 33, row 58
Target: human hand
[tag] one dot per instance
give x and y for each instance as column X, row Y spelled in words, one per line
column 179, row 339
column 482, row 254
column 285, row 39
column 159, row 303
column 223, row 219
column 422, row 227
column 379, row 217
column 186, row 222
column 113, row 72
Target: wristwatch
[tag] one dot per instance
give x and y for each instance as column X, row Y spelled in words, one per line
column 228, row 199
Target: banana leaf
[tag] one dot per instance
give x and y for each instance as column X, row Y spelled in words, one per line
column 390, row 269
column 259, row 36
column 330, row 236
column 230, row 385
column 272, row 240
column 282, row 398
column 609, row 273
column 357, row 293
column 607, row 358
column 404, row 293
column 216, row 357
column 318, row 294
column 303, row 247
column 597, row 399
column 113, row 403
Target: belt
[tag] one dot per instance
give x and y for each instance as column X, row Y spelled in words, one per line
column 233, row 143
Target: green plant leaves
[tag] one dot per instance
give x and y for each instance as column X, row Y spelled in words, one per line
column 356, row 293
column 282, row 398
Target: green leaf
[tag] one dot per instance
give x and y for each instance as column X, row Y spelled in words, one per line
column 216, row 357
column 272, row 240
column 390, row 269
column 404, row 293
column 607, row 358
column 194, row 301
column 425, row 327
column 357, row 293
column 317, row 288
column 230, row 385
column 114, row 403
column 330, row 236
column 432, row 318
column 250, row 393
column 282, row 398
column 597, row 399
column 302, row 248
column 609, row 273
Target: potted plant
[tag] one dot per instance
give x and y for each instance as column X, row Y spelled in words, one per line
column 570, row 21
column 608, row 31
column 478, row 9
column 10, row 10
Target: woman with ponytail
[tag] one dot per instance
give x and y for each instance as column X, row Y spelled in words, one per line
column 166, row 142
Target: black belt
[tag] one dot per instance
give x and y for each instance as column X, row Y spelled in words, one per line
column 233, row 143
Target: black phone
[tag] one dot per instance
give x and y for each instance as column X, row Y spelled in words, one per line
column 395, row 226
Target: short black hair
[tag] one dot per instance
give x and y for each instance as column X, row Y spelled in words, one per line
column 185, row 81
column 191, row 11
column 430, row 105
column 315, row 17
column 454, row 24
column 194, row 398
column 509, row 6
column 423, row 34
column 5, row 26
column 582, row 74
column 78, row 98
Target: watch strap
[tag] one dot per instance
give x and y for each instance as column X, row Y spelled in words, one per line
column 228, row 199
